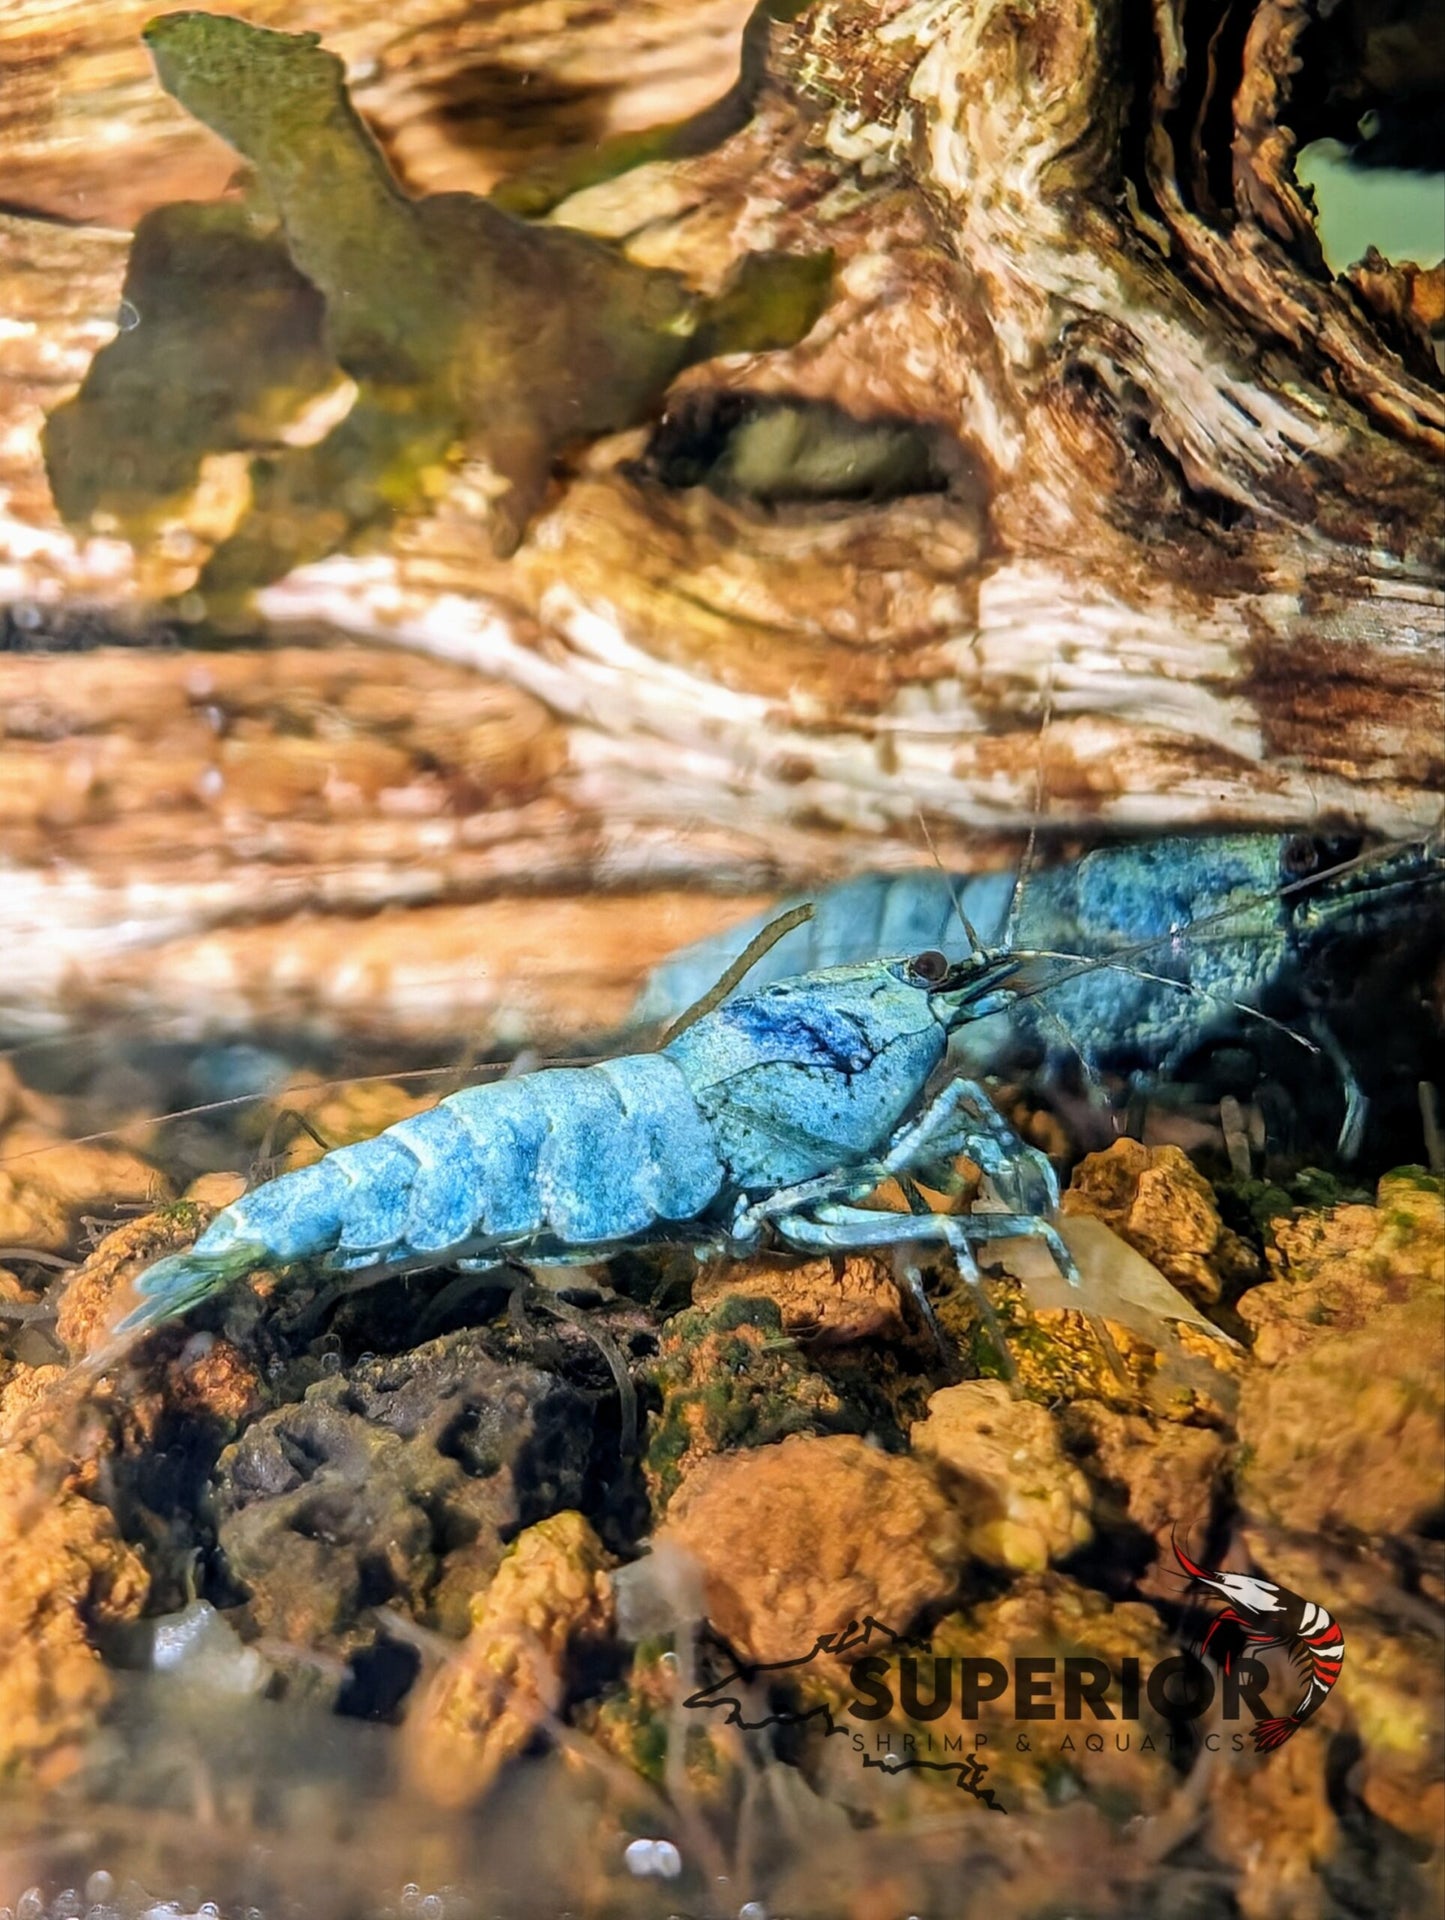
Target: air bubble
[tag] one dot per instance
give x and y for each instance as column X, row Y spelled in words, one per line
column 753, row 1910
column 648, row 1858
column 66, row 1905
column 100, row 1887
column 433, row 1907
column 27, row 616
column 127, row 316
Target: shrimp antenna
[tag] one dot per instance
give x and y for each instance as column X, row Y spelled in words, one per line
column 1026, row 865
column 1024, row 873
column 760, row 944
column 975, row 945
column 236, row 1101
column 1124, row 963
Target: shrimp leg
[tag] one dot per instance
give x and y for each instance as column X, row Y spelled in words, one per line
column 960, row 1120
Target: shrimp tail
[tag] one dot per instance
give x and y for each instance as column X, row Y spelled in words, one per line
column 1269, row 1734
column 183, row 1280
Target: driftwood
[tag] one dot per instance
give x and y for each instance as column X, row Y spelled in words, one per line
column 1194, row 577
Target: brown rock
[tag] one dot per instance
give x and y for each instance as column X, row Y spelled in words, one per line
column 19, row 1102
column 1154, row 1198
column 797, row 1539
column 485, row 1705
column 23, row 1391
column 1026, row 1504
column 46, row 1181
column 1340, row 1417
column 11, row 1289
column 214, row 1379
column 1156, row 1475
column 95, row 1296
column 341, row 1113
column 1271, row 1820
column 215, row 1190
column 64, row 1570
column 1391, row 1685
column 1041, row 1617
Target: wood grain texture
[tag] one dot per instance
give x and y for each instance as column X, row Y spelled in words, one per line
column 1197, row 579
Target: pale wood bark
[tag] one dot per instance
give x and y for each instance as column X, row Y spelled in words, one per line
column 1204, row 585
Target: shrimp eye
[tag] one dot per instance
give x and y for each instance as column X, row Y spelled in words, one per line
column 1302, row 856
column 929, row 967
column 1306, row 853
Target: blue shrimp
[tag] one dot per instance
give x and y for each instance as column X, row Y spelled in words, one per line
column 776, row 1112
column 1206, row 931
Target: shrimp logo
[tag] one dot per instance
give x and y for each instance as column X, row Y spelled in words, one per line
column 1266, row 1616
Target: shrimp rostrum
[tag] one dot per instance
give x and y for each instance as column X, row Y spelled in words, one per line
column 775, row 1114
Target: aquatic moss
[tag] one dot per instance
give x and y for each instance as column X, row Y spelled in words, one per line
column 1251, row 1207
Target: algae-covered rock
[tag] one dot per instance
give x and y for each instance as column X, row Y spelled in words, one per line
column 828, row 1302
column 797, row 1539
column 729, row 1377
column 1340, row 1416
column 395, row 1483
column 1393, row 1687
column 193, row 376
column 1050, row 1354
column 641, row 1718
column 1123, row 1334
column 1026, row 1504
column 487, row 1702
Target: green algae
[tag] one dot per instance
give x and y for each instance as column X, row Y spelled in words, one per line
column 728, row 1378
column 190, row 374
column 466, row 331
